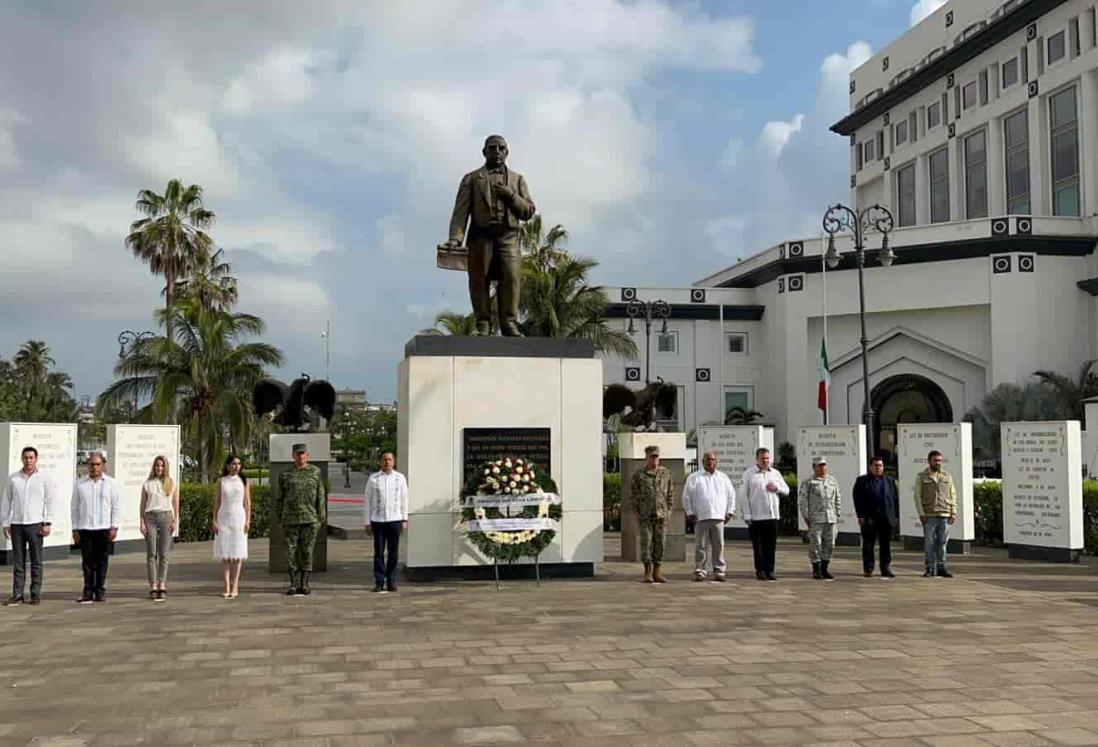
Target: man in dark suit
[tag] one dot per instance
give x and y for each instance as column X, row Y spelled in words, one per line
column 492, row 201
column 876, row 502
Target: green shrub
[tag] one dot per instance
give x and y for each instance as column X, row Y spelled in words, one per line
column 787, row 506
column 611, row 502
column 196, row 509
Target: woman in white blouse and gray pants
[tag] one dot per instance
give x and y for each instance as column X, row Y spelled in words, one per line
column 159, row 514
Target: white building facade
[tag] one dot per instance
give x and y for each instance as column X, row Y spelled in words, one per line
column 978, row 129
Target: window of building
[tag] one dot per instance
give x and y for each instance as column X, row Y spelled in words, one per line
column 738, row 400
column 933, row 115
column 737, row 343
column 1010, row 72
column 1064, row 122
column 1057, row 47
column 1073, row 36
column 939, row 186
column 976, row 175
column 905, row 194
column 1093, row 25
column 667, row 342
column 969, row 97
column 880, row 144
column 868, row 151
column 1023, row 57
column 1016, row 145
column 984, row 84
column 913, row 126
column 857, row 157
column 901, row 132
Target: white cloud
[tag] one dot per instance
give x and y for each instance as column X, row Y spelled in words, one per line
column 923, row 9
column 733, row 151
column 279, row 79
column 9, row 154
column 728, row 235
column 835, row 73
column 775, row 135
column 187, row 147
column 288, row 239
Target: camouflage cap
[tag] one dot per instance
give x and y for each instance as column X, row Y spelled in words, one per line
column 817, row 461
column 652, row 450
column 299, row 448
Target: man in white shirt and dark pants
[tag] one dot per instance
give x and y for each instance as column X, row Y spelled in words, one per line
column 709, row 501
column 27, row 511
column 386, row 508
column 94, row 526
column 762, row 485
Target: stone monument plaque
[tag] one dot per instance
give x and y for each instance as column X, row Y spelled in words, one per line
column 735, row 447
column 1043, row 490
column 913, row 442
column 56, row 444
column 844, row 447
column 479, row 445
column 131, row 450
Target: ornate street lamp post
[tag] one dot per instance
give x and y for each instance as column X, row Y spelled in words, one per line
column 840, row 218
column 129, row 338
column 648, row 310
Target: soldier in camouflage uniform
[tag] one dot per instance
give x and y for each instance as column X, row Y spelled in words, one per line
column 300, row 507
column 652, row 494
column 820, row 501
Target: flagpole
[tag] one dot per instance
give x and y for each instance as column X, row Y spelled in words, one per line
column 823, row 265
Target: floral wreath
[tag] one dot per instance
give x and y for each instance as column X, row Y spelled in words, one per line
column 510, row 477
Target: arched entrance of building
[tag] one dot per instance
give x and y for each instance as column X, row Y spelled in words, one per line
column 905, row 398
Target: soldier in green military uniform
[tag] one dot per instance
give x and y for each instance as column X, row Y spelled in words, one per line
column 820, row 501
column 652, row 492
column 300, row 506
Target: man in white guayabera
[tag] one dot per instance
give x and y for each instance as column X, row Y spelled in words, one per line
column 709, row 501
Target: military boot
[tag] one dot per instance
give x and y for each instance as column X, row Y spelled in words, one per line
column 657, row 574
column 824, row 573
column 816, row 571
column 292, row 590
column 303, row 586
column 647, row 573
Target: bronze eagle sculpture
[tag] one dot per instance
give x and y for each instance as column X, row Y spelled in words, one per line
column 638, row 409
column 294, row 405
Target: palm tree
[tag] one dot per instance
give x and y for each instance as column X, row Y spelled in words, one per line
column 452, row 323
column 171, row 237
column 203, row 376
column 209, row 283
column 33, row 363
column 1035, row 400
column 543, row 249
column 558, row 302
column 1072, row 392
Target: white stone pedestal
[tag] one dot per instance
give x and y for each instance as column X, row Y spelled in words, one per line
column 673, row 456
column 56, row 444
column 913, row 442
column 537, row 393
column 131, row 450
column 844, row 447
column 735, row 446
column 1043, row 490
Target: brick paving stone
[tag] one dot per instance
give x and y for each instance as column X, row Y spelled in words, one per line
column 600, row 661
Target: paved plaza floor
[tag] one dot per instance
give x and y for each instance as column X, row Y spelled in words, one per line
column 1005, row 654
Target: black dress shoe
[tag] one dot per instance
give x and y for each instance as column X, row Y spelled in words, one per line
column 35, row 600
column 869, row 574
column 100, row 596
column 84, row 599
column 760, row 575
column 928, row 573
column 392, row 586
column 771, row 577
column 13, row 599
column 380, row 589
column 943, row 573
column 887, row 573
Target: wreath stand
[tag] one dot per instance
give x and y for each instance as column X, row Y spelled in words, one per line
column 537, row 570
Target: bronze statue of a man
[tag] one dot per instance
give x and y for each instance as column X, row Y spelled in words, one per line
column 493, row 201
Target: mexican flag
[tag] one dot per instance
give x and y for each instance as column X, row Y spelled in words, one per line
column 825, row 378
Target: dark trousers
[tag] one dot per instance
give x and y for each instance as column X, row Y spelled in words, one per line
column 494, row 253
column 95, row 552
column 386, row 539
column 26, row 540
column 876, row 531
column 764, row 541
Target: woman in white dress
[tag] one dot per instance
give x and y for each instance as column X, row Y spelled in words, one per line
column 232, row 517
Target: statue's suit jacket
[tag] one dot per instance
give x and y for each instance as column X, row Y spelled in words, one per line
column 474, row 198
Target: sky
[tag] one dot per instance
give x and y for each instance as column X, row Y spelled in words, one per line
column 669, row 138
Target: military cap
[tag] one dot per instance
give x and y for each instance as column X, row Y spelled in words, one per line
column 298, row 448
column 651, row 450
column 817, row 461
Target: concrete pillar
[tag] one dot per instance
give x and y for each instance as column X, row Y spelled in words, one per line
column 1038, row 144
column 1088, row 140
column 996, row 176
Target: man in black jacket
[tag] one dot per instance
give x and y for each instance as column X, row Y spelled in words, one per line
column 876, row 504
